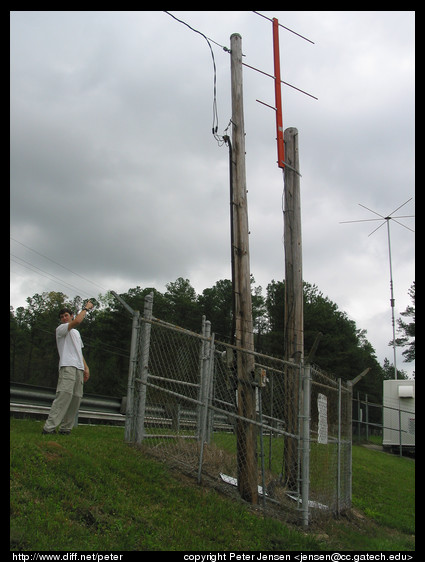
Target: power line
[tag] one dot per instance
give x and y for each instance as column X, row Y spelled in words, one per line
column 57, row 263
column 200, row 32
column 119, row 352
column 208, row 40
column 43, row 273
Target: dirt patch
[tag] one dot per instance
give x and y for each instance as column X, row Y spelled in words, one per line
column 53, row 451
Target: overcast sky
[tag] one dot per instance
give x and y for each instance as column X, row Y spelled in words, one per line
column 117, row 179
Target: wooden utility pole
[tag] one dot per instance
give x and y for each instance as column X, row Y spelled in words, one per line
column 294, row 324
column 294, row 313
column 246, row 432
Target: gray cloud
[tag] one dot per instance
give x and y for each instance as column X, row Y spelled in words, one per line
column 115, row 173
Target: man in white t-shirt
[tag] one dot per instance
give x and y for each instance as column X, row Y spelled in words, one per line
column 73, row 372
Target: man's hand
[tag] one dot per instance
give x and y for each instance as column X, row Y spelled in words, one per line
column 80, row 316
column 86, row 374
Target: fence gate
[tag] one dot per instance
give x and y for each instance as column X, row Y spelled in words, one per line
column 182, row 408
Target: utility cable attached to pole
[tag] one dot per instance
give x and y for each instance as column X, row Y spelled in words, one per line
column 214, row 127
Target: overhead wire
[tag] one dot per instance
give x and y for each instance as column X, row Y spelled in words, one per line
column 118, row 351
column 57, row 263
column 105, row 347
column 214, row 127
column 42, row 272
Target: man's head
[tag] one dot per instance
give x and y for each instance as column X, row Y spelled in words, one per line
column 65, row 315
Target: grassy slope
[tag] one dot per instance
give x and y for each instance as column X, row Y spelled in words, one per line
column 90, row 491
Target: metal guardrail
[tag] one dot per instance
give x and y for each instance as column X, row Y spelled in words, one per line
column 35, row 401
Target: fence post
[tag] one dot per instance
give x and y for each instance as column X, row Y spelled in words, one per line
column 129, row 407
column 142, row 370
column 129, row 415
column 201, row 392
column 260, row 416
column 210, row 392
column 203, row 359
column 367, row 417
column 305, row 465
column 208, row 372
column 359, row 417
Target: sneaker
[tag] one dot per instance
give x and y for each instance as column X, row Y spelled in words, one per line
column 64, row 432
column 45, row 432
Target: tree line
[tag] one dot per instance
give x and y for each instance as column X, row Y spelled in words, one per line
column 343, row 351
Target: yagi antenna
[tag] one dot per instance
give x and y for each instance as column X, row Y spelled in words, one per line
column 383, row 221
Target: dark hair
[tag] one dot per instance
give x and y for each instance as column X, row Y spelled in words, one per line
column 63, row 310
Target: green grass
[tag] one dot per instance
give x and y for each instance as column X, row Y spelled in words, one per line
column 91, row 491
column 385, row 488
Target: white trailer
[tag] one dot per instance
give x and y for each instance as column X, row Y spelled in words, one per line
column 399, row 415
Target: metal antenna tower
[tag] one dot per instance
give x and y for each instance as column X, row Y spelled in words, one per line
column 384, row 220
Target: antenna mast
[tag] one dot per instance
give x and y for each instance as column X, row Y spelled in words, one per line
column 383, row 221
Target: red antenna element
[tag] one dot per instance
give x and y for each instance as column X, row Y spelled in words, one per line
column 278, row 97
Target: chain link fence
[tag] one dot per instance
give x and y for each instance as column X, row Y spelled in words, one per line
column 391, row 424
column 280, row 438
column 330, row 438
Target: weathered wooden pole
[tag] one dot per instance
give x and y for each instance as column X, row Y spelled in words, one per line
column 294, row 313
column 246, row 432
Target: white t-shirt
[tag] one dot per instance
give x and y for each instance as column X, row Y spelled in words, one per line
column 69, row 344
